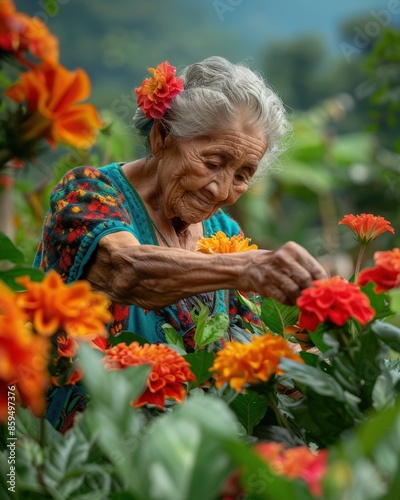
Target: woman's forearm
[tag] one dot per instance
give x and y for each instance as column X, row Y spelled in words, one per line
column 153, row 277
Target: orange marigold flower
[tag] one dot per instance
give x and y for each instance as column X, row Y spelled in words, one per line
column 23, row 357
column 155, row 94
column 168, row 374
column 51, row 305
column 366, row 227
column 51, row 93
column 386, row 272
column 296, row 463
column 221, row 243
column 253, row 363
column 335, row 300
column 20, row 33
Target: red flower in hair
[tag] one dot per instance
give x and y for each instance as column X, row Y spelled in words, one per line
column 156, row 93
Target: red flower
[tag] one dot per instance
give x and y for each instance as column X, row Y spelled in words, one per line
column 169, row 370
column 366, row 227
column 335, row 300
column 385, row 274
column 296, row 463
column 156, row 93
column 20, row 33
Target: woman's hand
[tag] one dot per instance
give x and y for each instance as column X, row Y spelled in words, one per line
column 283, row 273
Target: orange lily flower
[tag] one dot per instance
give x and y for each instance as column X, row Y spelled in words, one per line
column 23, row 357
column 51, row 93
column 20, row 33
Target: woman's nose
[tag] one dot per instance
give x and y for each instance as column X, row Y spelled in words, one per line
column 220, row 188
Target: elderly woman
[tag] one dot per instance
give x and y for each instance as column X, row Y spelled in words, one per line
column 131, row 229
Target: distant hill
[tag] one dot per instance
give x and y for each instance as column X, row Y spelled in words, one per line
column 115, row 42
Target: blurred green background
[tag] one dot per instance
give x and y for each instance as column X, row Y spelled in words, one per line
column 336, row 66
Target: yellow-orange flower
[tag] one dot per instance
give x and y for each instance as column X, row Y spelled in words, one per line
column 296, row 463
column 168, row 374
column 20, row 33
column 155, row 94
column 23, row 357
column 221, row 243
column 51, row 93
column 366, row 227
column 51, row 305
column 254, row 363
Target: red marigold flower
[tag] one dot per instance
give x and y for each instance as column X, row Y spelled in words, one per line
column 221, row 243
column 296, row 463
column 168, row 374
column 335, row 300
column 52, row 93
column 253, row 363
column 156, row 93
column 52, row 305
column 366, row 227
column 23, row 357
column 20, row 32
column 386, row 272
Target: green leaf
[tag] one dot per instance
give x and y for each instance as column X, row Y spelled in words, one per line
column 110, row 413
column 317, row 338
column 254, row 308
column 64, row 457
column 249, row 409
column 127, row 337
column 200, row 364
column 182, row 456
column 312, row 377
column 389, row 334
column 29, row 425
column 8, row 276
column 379, row 301
column 213, row 330
column 8, row 251
column 376, row 428
column 200, row 322
column 277, row 316
column 172, row 336
column 394, row 298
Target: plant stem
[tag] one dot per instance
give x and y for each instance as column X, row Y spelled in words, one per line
column 359, row 260
column 282, row 421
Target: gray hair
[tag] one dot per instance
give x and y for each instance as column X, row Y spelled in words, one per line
column 214, row 91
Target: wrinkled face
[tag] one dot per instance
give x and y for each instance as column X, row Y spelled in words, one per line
column 198, row 176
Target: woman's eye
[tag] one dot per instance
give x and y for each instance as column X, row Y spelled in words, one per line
column 212, row 165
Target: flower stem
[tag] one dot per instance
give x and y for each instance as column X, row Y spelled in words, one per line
column 282, row 421
column 358, row 263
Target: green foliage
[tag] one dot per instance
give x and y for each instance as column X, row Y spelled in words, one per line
column 277, row 316
column 13, row 265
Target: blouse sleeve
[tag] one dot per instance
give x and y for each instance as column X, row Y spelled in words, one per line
column 84, row 207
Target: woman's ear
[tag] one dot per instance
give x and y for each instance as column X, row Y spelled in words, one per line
column 158, row 136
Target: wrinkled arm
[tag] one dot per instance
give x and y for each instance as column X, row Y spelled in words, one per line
column 153, row 277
